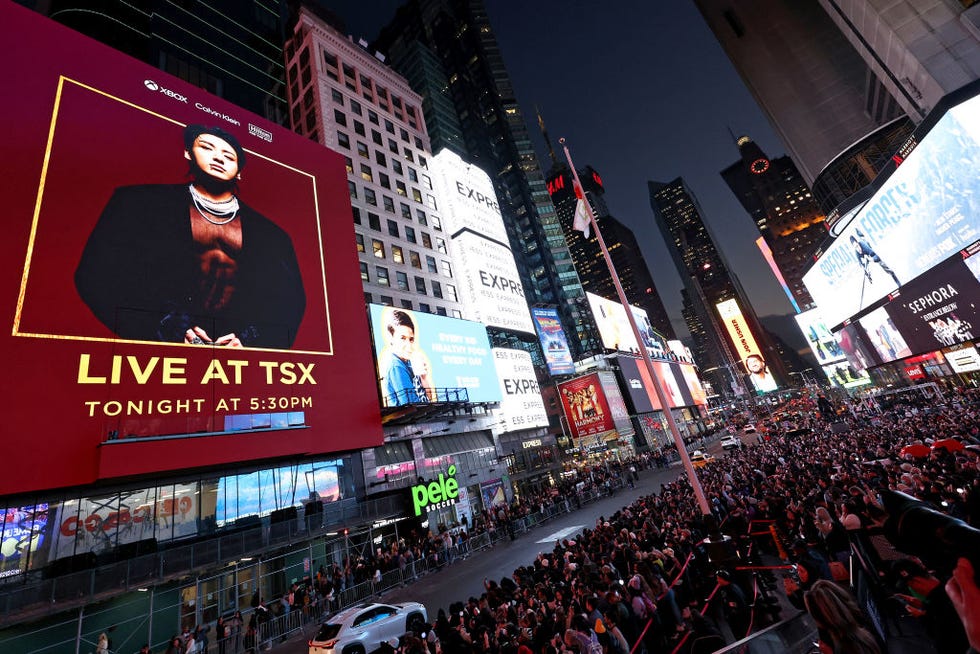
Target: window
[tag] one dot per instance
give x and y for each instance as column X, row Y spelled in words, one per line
column 415, row 259
column 447, row 269
column 392, row 147
column 406, row 304
column 389, row 126
column 400, row 188
column 373, row 117
column 420, row 285
column 387, row 300
column 337, row 96
column 382, row 273
column 406, row 211
column 339, row 117
column 412, row 175
column 430, row 201
column 352, row 189
column 456, row 313
column 425, row 308
column 427, row 241
column 410, row 234
column 427, row 182
column 403, row 133
column 421, row 216
column 440, row 245
column 430, row 263
column 374, row 221
column 408, row 154
column 417, row 195
column 393, row 228
column 362, row 149
column 357, row 215
column 397, row 166
column 364, row 273
column 451, row 292
column 376, row 137
column 359, row 128
column 423, row 162
column 349, row 77
column 368, row 299
column 366, row 173
column 418, row 141
column 437, row 289
column 401, row 281
column 396, row 254
column 370, row 197
column 379, row 248
column 380, row 158
column 355, row 106
column 359, row 239
column 331, row 60
column 437, row 223
column 385, row 181
column 349, row 165
column 441, row 311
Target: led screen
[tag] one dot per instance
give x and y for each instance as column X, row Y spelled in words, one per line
column 149, row 290
column 821, row 341
column 521, row 406
column 615, row 330
column 554, row 344
column 585, row 406
column 884, row 336
column 746, row 348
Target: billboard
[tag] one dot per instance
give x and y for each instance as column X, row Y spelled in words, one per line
column 154, row 292
column 490, row 285
column 843, row 374
column 746, row 349
column 693, row 384
column 856, row 347
column 425, row 358
column 468, row 201
column 615, row 330
column 928, row 209
column 554, row 343
column 884, row 336
column 680, row 383
column 521, row 406
column 585, row 406
column 617, row 406
column 23, row 533
column 821, row 341
column 941, row 307
column 964, row 359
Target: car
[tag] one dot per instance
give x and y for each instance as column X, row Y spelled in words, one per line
column 731, row 442
column 361, row 629
column 749, row 429
column 699, row 459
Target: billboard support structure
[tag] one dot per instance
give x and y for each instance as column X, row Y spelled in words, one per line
column 658, row 384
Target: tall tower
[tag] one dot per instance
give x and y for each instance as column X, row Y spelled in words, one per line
column 456, row 35
column 783, row 209
column 623, row 249
column 710, row 287
column 230, row 49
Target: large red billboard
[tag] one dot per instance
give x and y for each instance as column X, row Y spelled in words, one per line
column 174, row 274
column 586, row 407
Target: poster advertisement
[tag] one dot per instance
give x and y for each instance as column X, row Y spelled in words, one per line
column 746, row 348
column 554, row 344
column 492, row 493
column 821, row 341
column 927, row 210
column 884, row 336
column 615, row 330
column 170, row 259
column 617, row 406
column 694, row 386
column 490, row 283
column 585, row 406
column 425, row 358
column 843, row 374
column 23, row 533
column 521, row 406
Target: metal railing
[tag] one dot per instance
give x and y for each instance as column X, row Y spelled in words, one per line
column 795, row 635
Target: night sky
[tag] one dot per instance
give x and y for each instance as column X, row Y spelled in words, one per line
column 641, row 91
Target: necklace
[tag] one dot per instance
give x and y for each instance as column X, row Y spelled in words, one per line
column 207, row 206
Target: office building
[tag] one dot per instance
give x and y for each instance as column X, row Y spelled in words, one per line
column 458, row 36
column 776, row 197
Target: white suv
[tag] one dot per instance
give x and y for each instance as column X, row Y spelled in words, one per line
column 732, row 441
column 361, row 629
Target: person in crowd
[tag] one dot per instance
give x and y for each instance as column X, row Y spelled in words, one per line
column 839, row 621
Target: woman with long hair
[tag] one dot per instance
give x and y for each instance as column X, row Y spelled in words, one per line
column 840, row 622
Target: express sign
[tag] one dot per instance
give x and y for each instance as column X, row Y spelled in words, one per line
column 436, row 494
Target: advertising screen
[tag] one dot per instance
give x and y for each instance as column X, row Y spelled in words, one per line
column 490, row 284
column 585, row 406
column 467, row 198
column 746, row 348
column 424, row 358
column 169, row 259
column 821, row 341
column 941, row 307
column 843, row 374
column 617, row 406
column 554, row 344
column 884, row 336
column 680, row 383
column 928, row 209
column 521, row 406
column 964, row 359
column 694, row 387
column 615, row 330
column 24, row 531
column 856, row 347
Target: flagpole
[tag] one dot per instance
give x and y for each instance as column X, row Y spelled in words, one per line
column 657, row 383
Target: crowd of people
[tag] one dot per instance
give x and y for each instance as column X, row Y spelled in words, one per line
column 660, row 576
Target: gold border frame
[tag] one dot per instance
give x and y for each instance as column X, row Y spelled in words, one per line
column 37, row 211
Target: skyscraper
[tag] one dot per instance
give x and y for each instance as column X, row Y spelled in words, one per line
column 709, row 284
column 621, row 242
column 783, row 209
column 230, row 49
column 457, row 35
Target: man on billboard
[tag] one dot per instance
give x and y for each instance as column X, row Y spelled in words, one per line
column 759, row 373
column 866, row 256
column 404, row 370
column 192, row 263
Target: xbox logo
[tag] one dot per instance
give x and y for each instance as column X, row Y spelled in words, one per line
column 150, row 84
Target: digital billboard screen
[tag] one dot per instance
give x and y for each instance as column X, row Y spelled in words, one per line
column 820, row 339
column 554, row 343
column 171, row 259
column 521, row 406
column 856, row 347
column 617, row 406
column 425, row 358
column 490, row 284
column 928, row 209
column 615, row 330
column 941, row 307
column 585, row 406
column 680, row 384
column 884, row 336
column 746, row 348
column 843, row 374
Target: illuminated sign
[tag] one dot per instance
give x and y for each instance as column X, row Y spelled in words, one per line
column 746, row 349
column 467, row 198
column 965, row 359
column 923, row 213
column 821, row 341
column 554, row 344
column 615, row 330
column 617, row 406
column 777, row 273
column 437, row 494
column 424, row 358
column 586, row 407
column 884, row 336
column 532, row 443
column 490, row 285
column 843, row 374
column 159, row 297
column 521, row 406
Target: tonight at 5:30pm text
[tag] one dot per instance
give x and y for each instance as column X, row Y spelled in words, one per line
column 120, row 369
